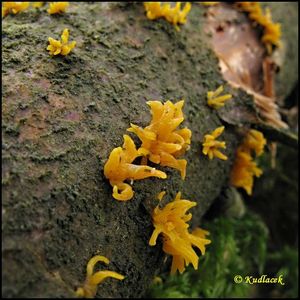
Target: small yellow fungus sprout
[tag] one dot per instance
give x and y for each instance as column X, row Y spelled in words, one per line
column 89, row 288
column 272, row 31
column 37, row 4
column 157, row 280
column 210, row 145
column 161, row 142
column 171, row 221
column 119, row 167
column 174, row 15
column 161, row 195
column 61, row 47
column 13, row 7
column 209, row 3
column 244, row 168
column 57, row 7
column 214, row 99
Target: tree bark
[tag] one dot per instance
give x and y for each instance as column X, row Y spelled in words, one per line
column 62, row 116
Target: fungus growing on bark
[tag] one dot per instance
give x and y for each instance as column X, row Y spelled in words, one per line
column 119, row 168
column 57, row 7
column 92, row 281
column 245, row 168
column 171, row 222
column 174, row 15
column 210, row 145
column 13, row 7
column 272, row 31
column 214, row 99
column 61, row 47
column 37, row 4
column 209, row 3
column 162, row 142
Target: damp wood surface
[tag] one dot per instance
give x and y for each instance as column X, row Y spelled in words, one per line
column 62, row 116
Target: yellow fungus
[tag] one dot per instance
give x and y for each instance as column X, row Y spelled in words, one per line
column 253, row 8
column 57, row 7
column 245, row 168
column 157, row 280
column 13, row 7
column 90, row 286
column 214, row 99
column 161, row 195
column 243, row 171
column 37, row 4
column 161, row 142
column 272, row 31
column 119, row 168
column 174, row 15
column 171, row 222
column 61, row 47
column 210, row 145
column 209, row 3
column 254, row 140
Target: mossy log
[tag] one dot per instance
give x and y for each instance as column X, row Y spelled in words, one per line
column 62, row 116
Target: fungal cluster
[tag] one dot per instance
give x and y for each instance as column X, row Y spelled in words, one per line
column 62, row 47
column 13, row 7
column 171, row 222
column 272, row 31
column 55, row 47
column 162, row 143
column 119, row 168
column 215, row 99
column 245, row 168
column 211, row 145
column 57, row 7
column 16, row 7
column 172, row 14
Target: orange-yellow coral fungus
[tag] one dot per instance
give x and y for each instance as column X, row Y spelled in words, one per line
column 119, row 168
column 272, row 31
column 57, row 7
column 13, row 7
column 90, row 286
column 61, row 47
column 37, row 4
column 245, row 168
column 243, row 171
column 171, row 222
column 174, row 14
column 161, row 142
column 209, row 3
column 210, row 145
column 214, row 99
column 254, row 141
column 253, row 8
column 161, row 195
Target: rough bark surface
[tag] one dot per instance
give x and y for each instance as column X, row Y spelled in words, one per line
column 62, row 116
